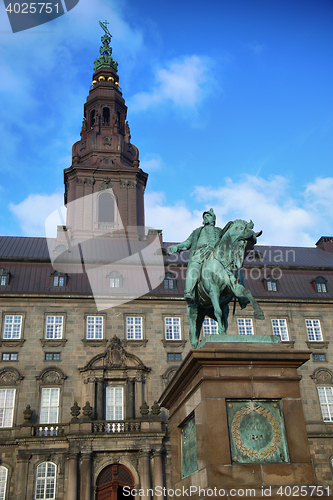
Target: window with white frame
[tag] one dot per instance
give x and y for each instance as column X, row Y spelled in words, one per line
column 313, row 329
column 12, row 327
column 46, row 481
column 321, row 284
column 59, row 279
column 114, row 403
column 326, row 402
column 133, row 328
column 170, row 281
column 4, row 277
column 49, row 407
column 7, row 402
column 54, row 327
column 245, row 326
column 172, row 328
column 9, row 356
column 210, row 326
column 280, row 328
column 94, row 327
column 115, row 280
column 3, row 482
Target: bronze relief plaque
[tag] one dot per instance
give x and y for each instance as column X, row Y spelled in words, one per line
column 188, row 445
column 256, row 431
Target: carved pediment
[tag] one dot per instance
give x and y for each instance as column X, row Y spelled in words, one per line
column 51, row 376
column 9, row 376
column 115, row 358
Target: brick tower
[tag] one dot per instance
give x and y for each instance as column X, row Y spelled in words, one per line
column 104, row 186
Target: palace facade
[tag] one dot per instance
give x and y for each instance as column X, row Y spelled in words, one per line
column 86, row 352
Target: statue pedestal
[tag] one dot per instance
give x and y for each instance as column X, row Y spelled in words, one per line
column 237, row 423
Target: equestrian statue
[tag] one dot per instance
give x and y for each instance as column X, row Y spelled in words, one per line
column 214, row 276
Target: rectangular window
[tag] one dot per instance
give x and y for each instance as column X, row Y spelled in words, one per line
column 9, row 356
column 133, row 328
column 280, row 328
column 314, row 330
column 7, row 401
column 49, row 411
column 114, row 403
column 52, row 356
column 3, row 482
column 245, row 326
column 12, row 328
column 271, row 286
column 174, row 356
column 59, row 280
column 94, row 327
column 321, row 287
column 326, row 403
column 210, row 326
column 319, row 357
column 54, row 327
column 168, row 284
column 3, row 281
column 114, row 282
column 172, row 328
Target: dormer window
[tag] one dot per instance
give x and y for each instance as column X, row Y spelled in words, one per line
column 170, row 281
column 321, row 284
column 59, row 279
column 115, row 280
column 271, row 284
column 4, row 277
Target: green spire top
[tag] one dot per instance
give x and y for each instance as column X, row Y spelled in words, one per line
column 105, row 50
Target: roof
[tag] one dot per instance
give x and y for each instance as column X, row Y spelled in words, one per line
column 31, row 262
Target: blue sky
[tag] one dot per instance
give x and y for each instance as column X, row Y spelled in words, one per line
column 229, row 103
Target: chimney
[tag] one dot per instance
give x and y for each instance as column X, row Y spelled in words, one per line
column 325, row 243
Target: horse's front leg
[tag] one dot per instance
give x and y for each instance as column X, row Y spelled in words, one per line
column 214, row 295
column 192, row 314
column 240, row 291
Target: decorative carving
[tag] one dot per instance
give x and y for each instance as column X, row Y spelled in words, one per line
column 106, row 141
column 322, row 376
column 12, row 343
column 83, row 145
column 52, row 376
column 144, row 409
column 128, row 184
column 27, row 415
column 79, row 181
column 113, row 358
column 75, row 412
column 106, row 184
column 156, row 409
column 87, row 411
column 9, row 376
column 53, row 342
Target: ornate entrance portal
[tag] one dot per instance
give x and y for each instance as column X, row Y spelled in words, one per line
column 110, row 483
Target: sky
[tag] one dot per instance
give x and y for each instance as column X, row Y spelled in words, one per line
column 230, row 103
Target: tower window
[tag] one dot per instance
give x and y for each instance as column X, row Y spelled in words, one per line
column 92, row 118
column 106, row 116
column 106, row 208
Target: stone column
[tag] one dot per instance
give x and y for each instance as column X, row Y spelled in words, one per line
column 145, row 473
column 85, row 476
column 22, row 476
column 72, row 476
column 130, row 399
column 158, row 472
column 100, row 400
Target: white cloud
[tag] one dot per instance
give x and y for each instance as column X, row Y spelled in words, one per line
column 176, row 221
column 184, row 82
column 34, row 210
column 151, row 163
column 283, row 219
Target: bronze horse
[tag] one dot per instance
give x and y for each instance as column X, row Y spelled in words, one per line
column 220, row 280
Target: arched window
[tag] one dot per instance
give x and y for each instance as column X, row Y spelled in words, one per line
column 46, row 481
column 3, row 482
column 106, row 208
column 106, row 116
column 92, row 118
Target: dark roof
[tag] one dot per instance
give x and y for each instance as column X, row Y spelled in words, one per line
column 29, row 264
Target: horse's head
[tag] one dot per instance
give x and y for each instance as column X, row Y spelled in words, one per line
column 238, row 237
